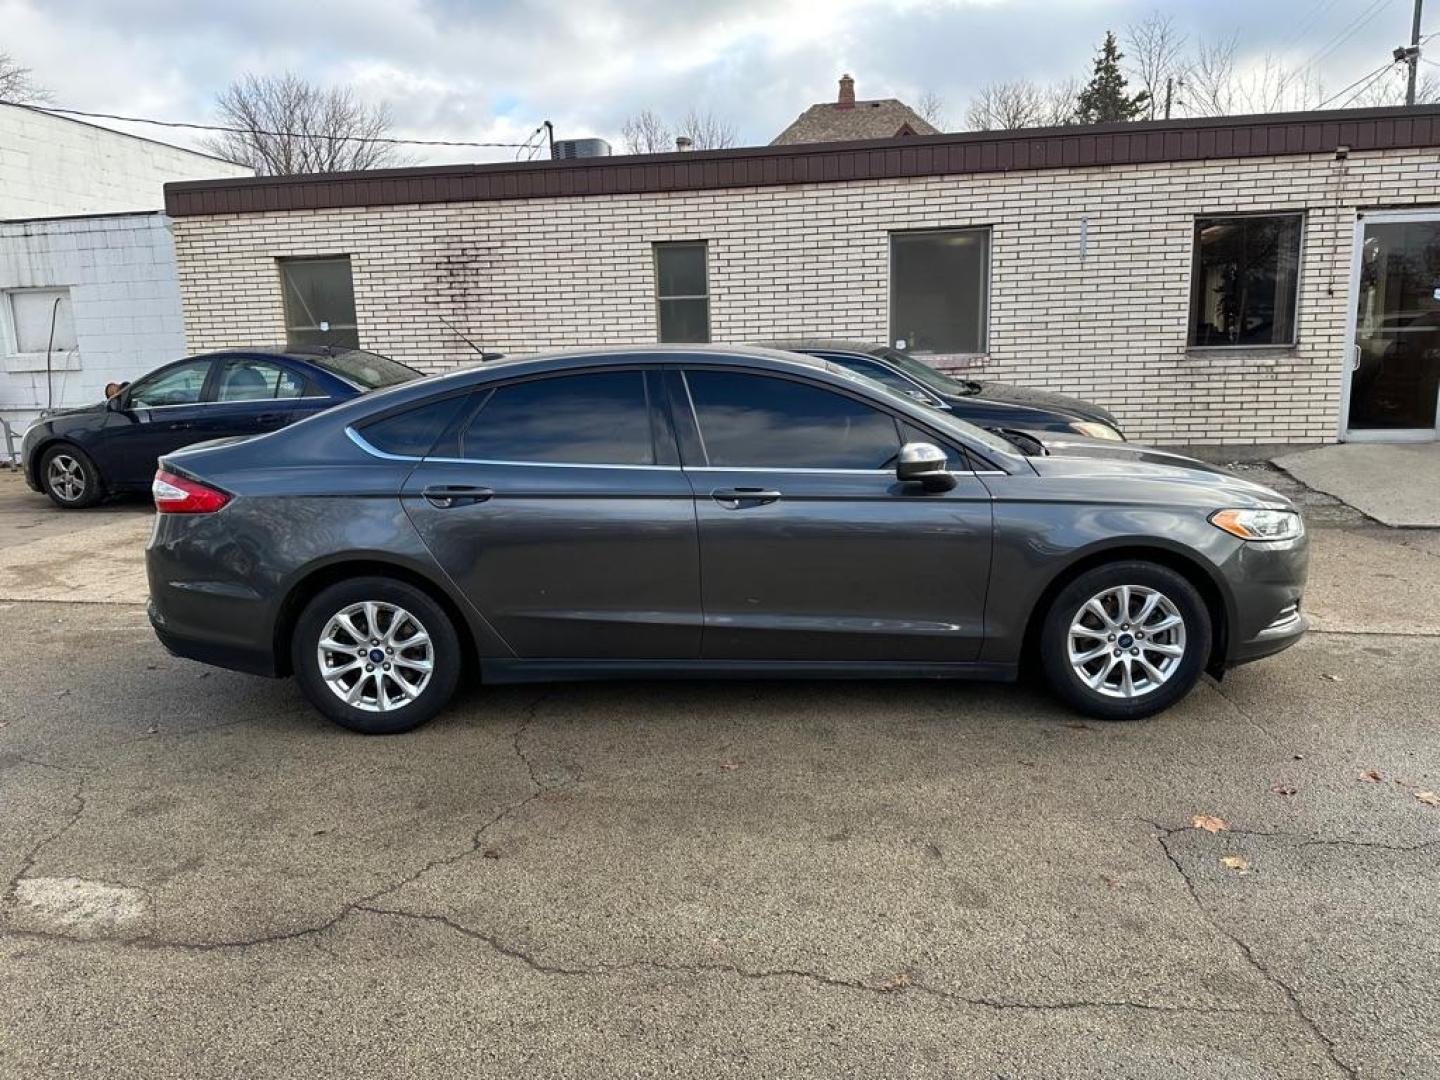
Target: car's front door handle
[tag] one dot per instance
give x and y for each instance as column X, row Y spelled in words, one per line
column 744, row 498
column 444, row 496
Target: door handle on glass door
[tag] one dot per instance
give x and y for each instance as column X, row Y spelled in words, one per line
column 444, row 496
column 1355, row 356
column 744, row 498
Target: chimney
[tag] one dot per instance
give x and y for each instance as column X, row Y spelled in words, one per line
column 847, row 93
column 683, row 143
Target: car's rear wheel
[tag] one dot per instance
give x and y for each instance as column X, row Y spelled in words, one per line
column 376, row 655
column 1125, row 640
column 70, row 478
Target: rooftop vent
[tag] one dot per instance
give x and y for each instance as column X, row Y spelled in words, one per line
column 578, row 148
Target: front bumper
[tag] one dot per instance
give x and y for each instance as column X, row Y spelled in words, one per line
column 1267, row 581
column 1286, row 630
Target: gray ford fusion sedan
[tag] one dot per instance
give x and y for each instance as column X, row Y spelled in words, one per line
column 705, row 511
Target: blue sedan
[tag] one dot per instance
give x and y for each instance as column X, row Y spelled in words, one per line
column 78, row 456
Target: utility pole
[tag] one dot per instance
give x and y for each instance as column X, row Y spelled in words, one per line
column 1413, row 55
column 1170, row 89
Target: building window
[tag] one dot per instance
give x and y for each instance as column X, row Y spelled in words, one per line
column 682, row 296
column 319, row 302
column 1245, row 281
column 940, row 290
column 31, row 314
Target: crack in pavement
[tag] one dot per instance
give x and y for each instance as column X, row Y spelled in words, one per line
column 1303, row 840
column 1243, row 713
column 1291, row 997
column 33, row 855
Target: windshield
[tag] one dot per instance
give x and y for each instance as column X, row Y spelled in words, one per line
column 927, row 375
column 367, row 370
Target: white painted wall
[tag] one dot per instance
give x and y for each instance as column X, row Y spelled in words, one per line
column 52, row 166
column 124, row 299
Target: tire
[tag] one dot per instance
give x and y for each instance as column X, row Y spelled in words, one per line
column 1175, row 651
column 368, row 693
column 70, row 478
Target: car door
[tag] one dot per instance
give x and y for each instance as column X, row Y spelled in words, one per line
column 810, row 548
column 158, row 414
column 252, row 396
column 559, row 508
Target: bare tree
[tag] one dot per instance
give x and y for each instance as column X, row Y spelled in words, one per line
column 1155, row 49
column 1210, row 82
column 1059, row 103
column 16, row 85
column 706, row 130
column 1004, row 106
column 646, row 133
column 1389, row 89
column 931, row 109
column 288, row 126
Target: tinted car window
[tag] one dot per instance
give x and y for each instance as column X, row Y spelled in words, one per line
column 758, row 421
column 180, row 385
column 412, row 433
column 593, row 419
column 879, row 372
column 256, row 380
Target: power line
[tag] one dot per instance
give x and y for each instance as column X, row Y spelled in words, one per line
column 1350, row 30
column 256, row 131
column 1378, row 76
column 1367, row 78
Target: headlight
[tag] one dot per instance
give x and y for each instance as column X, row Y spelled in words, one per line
column 1096, row 430
column 1259, row 524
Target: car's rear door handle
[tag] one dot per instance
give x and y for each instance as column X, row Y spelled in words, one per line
column 744, row 498
column 270, row 419
column 444, row 496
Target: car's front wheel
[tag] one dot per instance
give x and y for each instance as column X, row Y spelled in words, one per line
column 1125, row 640
column 376, row 655
column 70, row 478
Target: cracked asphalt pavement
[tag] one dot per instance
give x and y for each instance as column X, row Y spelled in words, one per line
column 203, row 878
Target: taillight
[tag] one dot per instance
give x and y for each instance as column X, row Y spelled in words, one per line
column 178, row 495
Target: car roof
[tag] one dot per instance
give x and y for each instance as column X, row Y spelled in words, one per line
column 826, row 345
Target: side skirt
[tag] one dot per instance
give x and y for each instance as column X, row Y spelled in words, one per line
column 531, row 671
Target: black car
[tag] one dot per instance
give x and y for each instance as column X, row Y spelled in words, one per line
column 993, row 405
column 77, row 456
column 712, row 512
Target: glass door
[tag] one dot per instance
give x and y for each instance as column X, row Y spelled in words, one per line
column 1394, row 384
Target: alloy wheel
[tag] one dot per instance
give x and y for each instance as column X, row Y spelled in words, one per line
column 65, row 476
column 1127, row 641
column 375, row 656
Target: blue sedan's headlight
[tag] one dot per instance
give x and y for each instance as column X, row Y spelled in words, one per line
column 1260, row 524
column 1096, row 430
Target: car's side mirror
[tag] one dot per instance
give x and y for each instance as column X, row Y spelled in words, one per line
column 924, row 463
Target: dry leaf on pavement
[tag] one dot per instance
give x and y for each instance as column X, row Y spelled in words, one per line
column 1371, row 776
column 1234, row 862
column 1282, row 789
column 899, row 981
column 1209, row 823
column 730, row 766
column 1429, row 798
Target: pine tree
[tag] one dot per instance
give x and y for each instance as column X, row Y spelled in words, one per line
column 1104, row 98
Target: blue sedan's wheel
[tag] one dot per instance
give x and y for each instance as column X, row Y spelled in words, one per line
column 70, row 478
column 1125, row 640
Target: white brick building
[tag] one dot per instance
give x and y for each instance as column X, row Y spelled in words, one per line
column 1200, row 278
column 87, row 262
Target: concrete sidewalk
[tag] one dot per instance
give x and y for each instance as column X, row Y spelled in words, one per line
column 1397, row 484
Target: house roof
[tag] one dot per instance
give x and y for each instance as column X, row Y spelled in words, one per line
column 833, row 121
column 974, row 152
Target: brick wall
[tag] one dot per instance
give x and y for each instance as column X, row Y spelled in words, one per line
column 812, row 261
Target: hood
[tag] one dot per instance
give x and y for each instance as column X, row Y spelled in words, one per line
column 74, row 410
column 1076, row 457
column 1009, row 394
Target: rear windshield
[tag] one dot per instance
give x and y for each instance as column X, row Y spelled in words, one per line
column 918, row 369
column 367, row 370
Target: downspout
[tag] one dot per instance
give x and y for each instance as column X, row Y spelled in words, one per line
column 49, row 346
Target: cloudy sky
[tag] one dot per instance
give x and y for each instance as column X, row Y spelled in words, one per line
column 492, row 69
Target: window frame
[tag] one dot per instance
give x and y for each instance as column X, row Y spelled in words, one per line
column 283, row 261
column 17, row 360
column 988, row 277
column 655, row 246
column 1195, row 220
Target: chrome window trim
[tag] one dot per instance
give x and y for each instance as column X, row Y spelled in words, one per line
column 360, row 441
column 251, row 401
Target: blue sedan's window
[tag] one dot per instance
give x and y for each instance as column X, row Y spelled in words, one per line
column 257, row 380
column 755, row 421
column 600, row 418
column 179, row 385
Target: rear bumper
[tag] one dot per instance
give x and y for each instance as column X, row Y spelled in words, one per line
column 217, row 653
